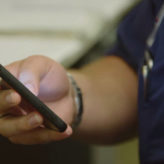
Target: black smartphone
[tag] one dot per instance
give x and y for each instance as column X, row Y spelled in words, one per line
column 51, row 120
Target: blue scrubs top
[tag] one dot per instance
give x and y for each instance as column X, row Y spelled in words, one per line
column 133, row 33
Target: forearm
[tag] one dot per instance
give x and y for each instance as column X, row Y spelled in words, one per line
column 109, row 88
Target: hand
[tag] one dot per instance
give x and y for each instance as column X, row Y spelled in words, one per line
column 47, row 80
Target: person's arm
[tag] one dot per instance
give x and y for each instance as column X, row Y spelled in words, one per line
column 109, row 88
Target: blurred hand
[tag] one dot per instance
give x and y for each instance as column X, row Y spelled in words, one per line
column 47, row 80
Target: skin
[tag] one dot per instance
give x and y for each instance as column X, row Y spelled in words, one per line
column 109, row 88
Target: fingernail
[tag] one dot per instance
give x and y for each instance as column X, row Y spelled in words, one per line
column 69, row 131
column 10, row 98
column 35, row 120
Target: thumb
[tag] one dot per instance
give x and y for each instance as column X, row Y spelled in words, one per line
column 30, row 73
column 30, row 81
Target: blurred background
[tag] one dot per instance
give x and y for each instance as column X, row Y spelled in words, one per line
column 74, row 33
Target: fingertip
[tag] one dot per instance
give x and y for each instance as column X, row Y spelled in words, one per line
column 17, row 97
column 69, row 130
column 57, row 136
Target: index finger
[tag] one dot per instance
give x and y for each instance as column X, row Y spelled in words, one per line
column 40, row 136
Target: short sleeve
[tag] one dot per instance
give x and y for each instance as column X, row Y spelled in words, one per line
column 133, row 33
